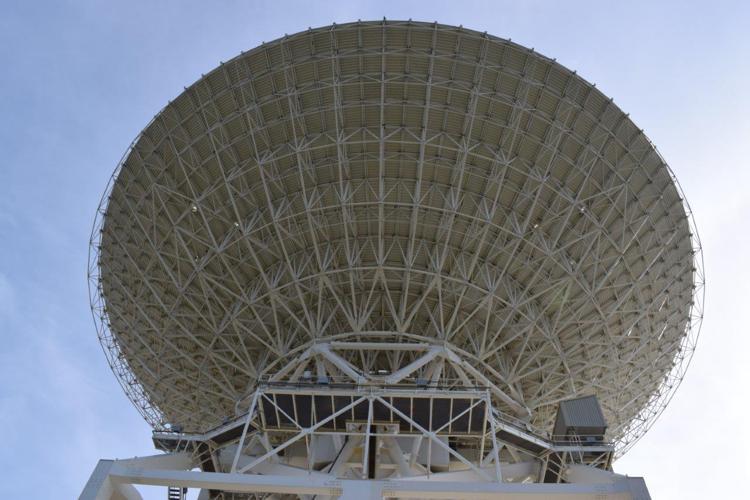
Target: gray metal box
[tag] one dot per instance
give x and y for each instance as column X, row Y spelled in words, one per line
column 580, row 419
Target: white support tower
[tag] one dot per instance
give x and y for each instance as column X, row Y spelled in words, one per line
column 372, row 260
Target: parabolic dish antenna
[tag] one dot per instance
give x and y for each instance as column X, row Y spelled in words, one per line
column 371, row 187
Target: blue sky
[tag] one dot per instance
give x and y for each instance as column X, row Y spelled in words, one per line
column 79, row 80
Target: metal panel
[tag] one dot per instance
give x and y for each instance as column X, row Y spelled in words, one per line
column 580, row 417
column 582, row 412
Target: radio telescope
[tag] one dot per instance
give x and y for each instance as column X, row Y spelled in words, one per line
column 385, row 241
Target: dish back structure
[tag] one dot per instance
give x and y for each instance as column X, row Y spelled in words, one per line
column 393, row 202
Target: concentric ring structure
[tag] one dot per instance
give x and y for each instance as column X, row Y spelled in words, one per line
column 396, row 182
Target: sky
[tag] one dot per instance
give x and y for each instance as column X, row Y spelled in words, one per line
column 79, row 80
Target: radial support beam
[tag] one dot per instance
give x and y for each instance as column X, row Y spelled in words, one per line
column 397, row 456
column 250, row 416
column 299, row 362
column 415, row 365
column 520, row 409
column 339, row 362
column 340, row 464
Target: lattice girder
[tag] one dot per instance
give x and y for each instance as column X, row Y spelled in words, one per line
column 396, row 180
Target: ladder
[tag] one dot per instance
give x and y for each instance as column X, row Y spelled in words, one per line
column 176, row 493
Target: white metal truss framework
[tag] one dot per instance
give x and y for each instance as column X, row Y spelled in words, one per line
column 327, row 439
column 396, row 182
